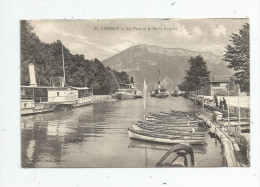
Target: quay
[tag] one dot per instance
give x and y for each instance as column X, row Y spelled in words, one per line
column 233, row 110
column 232, row 154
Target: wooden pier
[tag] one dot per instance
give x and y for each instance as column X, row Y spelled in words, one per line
column 233, row 156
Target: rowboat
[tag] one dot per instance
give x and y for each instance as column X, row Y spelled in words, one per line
column 162, row 138
column 189, row 116
column 172, row 114
column 162, row 118
column 166, row 130
column 156, row 120
column 176, row 128
column 168, row 115
column 171, row 117
column 159, row 125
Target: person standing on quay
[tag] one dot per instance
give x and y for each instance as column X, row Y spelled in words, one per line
column 220, row 103
column 224, row 103
column 216, row 100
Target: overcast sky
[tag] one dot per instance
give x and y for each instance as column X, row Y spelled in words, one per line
column 87, row 37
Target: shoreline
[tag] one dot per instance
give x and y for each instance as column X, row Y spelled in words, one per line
column 233, row 110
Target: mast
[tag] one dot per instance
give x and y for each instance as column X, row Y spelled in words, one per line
column 134, row 72
column 145, row 99
column 159, row 76
column 63, row 64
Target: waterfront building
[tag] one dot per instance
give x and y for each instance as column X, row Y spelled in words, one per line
column 219, row 86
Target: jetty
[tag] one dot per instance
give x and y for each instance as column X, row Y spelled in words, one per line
column 232, row 153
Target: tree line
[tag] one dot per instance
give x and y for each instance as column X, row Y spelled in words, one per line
column 80, row 72
column 236, row 54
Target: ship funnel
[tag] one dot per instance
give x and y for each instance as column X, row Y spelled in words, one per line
column 32, row 75
column 132, row 80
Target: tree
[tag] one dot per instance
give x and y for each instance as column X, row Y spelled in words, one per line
column 184, row 86
column 197, row 76
column 237, row 54
column 80, row 72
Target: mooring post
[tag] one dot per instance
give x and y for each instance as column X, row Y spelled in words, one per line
column 216, row 142
column 224, row 155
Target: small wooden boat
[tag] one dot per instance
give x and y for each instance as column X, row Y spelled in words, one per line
column 166, row 130
column 194, row 125
column 178, row 128
column 189, row 116
column 159, row 116
column 156, row 120
column 162, row 138
column 172, row 114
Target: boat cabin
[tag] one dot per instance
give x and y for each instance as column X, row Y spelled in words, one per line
column 56, row 93
column 127, row 88
column 26, row 104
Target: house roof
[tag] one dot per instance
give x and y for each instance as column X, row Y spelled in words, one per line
column 220, row 78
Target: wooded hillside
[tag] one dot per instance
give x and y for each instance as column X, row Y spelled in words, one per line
column 79, row 71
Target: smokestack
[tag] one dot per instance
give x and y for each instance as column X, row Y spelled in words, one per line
column 132, row 80
column 32, row 75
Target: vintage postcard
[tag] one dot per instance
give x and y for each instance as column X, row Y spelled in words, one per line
column 135, row 93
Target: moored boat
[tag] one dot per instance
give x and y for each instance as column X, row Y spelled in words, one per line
column 56, row 96
column 162, row 138
column 29, row 107
column 167, row 130
column 128, row 91
column 186, row 124
column 159, row 91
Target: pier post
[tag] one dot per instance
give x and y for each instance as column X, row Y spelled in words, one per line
column 224, row 156
column 216, row 142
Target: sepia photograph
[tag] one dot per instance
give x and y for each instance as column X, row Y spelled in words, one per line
column 135, row 93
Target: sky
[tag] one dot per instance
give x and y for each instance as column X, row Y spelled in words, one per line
column 102, row 39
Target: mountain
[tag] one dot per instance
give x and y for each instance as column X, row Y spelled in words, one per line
column 143, row 61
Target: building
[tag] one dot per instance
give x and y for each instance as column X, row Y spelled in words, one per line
column 219, row 86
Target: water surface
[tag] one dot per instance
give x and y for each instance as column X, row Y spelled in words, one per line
column 96, row 136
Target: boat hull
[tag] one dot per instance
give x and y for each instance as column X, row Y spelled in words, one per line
column 174, row 128
column 134, row 135
column 161, row 95
column 83, row 102
column 123, row 97
column 26, row 112
column 169, row 131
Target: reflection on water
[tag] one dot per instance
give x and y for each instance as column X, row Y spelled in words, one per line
column 96, row 136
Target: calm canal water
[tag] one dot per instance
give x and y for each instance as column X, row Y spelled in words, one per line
column 96, row 136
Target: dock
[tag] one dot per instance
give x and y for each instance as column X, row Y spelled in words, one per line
column 232, row 155
column 42, row 110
